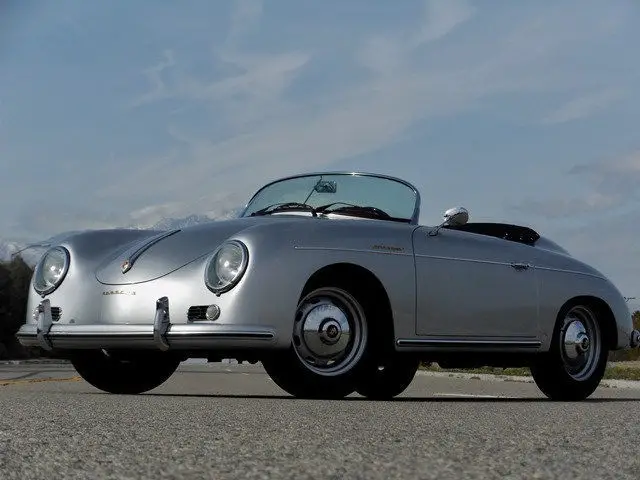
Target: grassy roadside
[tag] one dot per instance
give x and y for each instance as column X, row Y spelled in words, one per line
column 614, row 372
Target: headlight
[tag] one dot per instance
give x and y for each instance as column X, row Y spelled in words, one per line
column 51, row 270
column 226, row 266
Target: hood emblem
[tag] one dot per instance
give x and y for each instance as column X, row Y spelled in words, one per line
column 146, row 244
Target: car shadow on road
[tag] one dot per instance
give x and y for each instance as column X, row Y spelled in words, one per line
column 412, row 399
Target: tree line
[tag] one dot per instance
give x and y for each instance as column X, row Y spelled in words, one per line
column 15, row 279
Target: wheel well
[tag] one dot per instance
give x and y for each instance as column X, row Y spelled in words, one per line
column 604, row 314
column 367, row 284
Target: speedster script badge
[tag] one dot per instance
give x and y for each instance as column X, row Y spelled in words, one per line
column 118, row 292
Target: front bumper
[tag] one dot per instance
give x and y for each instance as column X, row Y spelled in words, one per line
column 162, row 334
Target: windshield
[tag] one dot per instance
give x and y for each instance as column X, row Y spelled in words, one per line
column 341, row 190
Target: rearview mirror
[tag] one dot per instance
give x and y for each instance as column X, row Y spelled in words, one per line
column 326, row 186
column 456, row 216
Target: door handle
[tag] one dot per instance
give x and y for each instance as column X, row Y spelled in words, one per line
column 521, row 266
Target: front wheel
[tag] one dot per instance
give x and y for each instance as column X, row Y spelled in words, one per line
column 130, row 374
column 388, row 377
column 330, row 346
column 577, row 358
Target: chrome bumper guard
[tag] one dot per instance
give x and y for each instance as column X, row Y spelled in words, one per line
column 161, row 324
column 45, row 322
column 162, row 334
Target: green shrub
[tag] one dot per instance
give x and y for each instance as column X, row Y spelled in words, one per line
column 15, row 277
column 628, row 355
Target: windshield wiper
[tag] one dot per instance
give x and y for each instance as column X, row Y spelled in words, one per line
column 346, row 208
column 351, row 208
column 285, row 206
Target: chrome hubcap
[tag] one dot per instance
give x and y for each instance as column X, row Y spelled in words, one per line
column 329, row 332
column 580, row 337
column 576, row 340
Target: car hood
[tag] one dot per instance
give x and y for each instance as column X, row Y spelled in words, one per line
column 162, row 253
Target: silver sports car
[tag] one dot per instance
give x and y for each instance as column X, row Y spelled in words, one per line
column 331, row 283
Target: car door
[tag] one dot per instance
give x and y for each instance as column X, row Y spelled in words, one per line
column 471, row 286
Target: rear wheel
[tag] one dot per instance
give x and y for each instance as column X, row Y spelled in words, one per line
column 124, row 374
column 330, row 345
column 577, row 358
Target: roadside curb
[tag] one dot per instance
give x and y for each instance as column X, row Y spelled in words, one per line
column 632, row 384
column 40, row 361
column 23, row 381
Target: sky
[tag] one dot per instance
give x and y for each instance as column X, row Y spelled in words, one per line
column 124, row 113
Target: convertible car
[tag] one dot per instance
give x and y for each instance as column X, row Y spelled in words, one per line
column 329, row 281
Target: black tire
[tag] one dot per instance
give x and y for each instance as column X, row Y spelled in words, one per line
column 294, row 369
column 125, row 375
column 388, row 377
column 556, row 373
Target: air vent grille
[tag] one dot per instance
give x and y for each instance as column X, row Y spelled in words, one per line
column 198, row 312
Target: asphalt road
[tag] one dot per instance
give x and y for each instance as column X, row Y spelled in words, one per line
column 220, row 421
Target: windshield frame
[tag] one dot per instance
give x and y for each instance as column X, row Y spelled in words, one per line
column 416, row 210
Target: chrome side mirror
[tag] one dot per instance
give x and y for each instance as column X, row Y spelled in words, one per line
column 454, row 217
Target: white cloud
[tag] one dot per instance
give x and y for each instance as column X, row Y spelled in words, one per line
column 441, row 17
column 152, row 214
column 253, row 92
column 159, row 89
column 611, row 184
column 614, row 176
column 584, row 106
column 245, row 17
column 609, row 244
column 264, row 77
column 386, row 54
column 622, row 167
column 562, row 207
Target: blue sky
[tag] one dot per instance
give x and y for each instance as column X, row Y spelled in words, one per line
column 118, row 113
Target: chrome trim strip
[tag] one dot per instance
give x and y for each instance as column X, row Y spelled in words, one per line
column 178, row 335
column 472, row 260
column 573, row 272
column 219, row 331
column 100, row 330
column 465, row 342
column 128, row 263
column 354, row 250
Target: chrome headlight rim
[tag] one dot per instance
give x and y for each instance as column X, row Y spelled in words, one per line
column 222, row 288
column 65, row 268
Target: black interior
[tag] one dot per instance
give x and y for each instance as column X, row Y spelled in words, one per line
column 514, row 233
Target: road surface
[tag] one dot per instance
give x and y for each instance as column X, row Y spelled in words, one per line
column 229, row 421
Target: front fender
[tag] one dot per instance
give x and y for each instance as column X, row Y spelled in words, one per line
column 281, row 262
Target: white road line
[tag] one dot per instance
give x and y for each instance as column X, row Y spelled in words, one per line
column 468, row 395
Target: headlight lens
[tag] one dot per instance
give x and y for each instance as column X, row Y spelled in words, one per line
column 226, row 266
column 51, row 270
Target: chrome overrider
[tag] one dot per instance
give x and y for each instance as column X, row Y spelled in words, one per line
column 161, row 335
